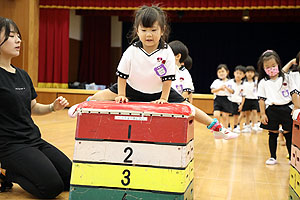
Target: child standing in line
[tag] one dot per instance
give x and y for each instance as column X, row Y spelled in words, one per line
column 250, row 101
column 236, row 97
column 222, row 89
column 183, row 83
column 147, row 68
column 277, row 93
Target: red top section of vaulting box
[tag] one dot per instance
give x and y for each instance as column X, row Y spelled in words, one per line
column 169, row 108
column 135, row 121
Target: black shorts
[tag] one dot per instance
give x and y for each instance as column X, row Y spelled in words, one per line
column 134, row 95
column 235, row 108
column 278, row 115
column 221, row 103
column 250, row 104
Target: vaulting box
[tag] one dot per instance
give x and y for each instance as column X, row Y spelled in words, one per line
column 133, row 151
column 295, row 157
column 296, row 133
column 80, row 193
column 143, row 122
column 158, row 155
column 132, row 177
column 293, row 195
column 295, row 180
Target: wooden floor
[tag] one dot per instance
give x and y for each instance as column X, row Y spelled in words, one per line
column 232, row 169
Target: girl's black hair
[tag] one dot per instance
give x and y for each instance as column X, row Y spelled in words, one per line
column 8, row 26
column 297, row 66
column 220, row 66
column 250, row 68
column 188, row 62
column 267, row 55
column 147, row 16
column 240, row 68
column 179, row 48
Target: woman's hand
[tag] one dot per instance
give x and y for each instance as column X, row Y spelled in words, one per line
column 121, row 99
column 59, row 103
column 160, row 101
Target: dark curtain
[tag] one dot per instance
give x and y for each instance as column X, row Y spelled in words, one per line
column 95, row 56
column 231, row 43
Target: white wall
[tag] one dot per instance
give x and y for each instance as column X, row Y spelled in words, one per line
column 75, row 31
column 116, row 32
column 75, row 26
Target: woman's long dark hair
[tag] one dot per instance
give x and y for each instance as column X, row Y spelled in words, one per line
column 8, row 26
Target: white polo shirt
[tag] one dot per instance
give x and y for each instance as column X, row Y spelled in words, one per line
column 183, row 82
column 218, row 83
column 238, row 88
column 250, row 89
column 146, row 72
column 276, row 92
column 296, row 78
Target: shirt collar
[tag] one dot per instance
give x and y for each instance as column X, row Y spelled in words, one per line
column 161, row 45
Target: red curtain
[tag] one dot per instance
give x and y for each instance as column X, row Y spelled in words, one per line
column 54, row 48
column 173, row 4
column 95, row 57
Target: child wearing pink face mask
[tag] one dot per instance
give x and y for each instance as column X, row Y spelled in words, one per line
column 278, row 96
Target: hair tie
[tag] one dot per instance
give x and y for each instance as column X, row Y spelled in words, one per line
column 268, row 51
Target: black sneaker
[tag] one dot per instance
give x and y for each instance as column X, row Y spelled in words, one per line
column 4, row 184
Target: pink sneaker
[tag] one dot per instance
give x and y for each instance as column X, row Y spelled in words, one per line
column 220, row 132
column 224, row 133
column 216, row 130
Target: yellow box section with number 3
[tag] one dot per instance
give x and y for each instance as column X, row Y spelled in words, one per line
column 133, row 177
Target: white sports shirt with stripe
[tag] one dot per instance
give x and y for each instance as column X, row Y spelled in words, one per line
column 276, row 92
column 296, row 78
column 236, row 97
column 146, row 72
column 250, row 89
column 218, row 83
column 183, row 82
